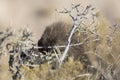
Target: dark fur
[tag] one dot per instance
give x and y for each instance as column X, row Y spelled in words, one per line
column 57, row 34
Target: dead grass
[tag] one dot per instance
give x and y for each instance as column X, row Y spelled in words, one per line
column 43, row 72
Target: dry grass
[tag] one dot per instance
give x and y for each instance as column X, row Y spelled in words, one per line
column 43, row 72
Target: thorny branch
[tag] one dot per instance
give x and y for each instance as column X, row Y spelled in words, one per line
column 78, row 20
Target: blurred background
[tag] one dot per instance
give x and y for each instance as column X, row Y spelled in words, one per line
column 36, row 14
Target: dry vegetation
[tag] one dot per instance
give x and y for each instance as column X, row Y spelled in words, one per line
column 100, row 59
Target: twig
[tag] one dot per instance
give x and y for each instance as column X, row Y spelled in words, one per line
column 56, row 56
column 81, row 75
column 68, row 44
column 59, row 46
